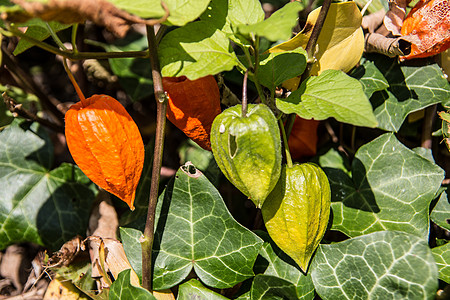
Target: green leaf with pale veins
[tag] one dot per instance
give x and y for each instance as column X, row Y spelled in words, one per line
column 38, row 30
column 272, row 288
column 132, row 246
column 278, row 264
column 279, row 67
column 331, row 94
column 196, row 50
column 38, row 205
column 441, row 212
column 278, row 26
column 195, row 230
column 382, row 265
column 193, row 289
column 123, row 289
column 411, row 88
column 391, row 189
column 442, row 257
column 370, row 77
column 244, row 12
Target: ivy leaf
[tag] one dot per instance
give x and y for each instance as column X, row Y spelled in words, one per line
column 123, row 289
column 38, row 205
column 411, row 88
column 271, row 287
column 196, row 50
column 370, row 77
column 132, row 246
column 442, row 257
column 278, row 26
column 331, row 94
column 380, row 265
column 441, row 212
column 279, row 67
column 334, row 159
column 195, row 230
column 37, row 29
column 193, row 289
column 282, row 266
column 379, row 198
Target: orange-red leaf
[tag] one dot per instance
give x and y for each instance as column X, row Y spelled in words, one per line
column 427, row 27
column 106, row 144
column 303, row 138
column 192, row 106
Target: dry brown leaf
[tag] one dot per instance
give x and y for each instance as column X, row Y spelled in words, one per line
column 391, row 47
column 395, row 16
column 103, row 221
column 101, row 12
column 373, row 21
column 163, row 295
column 67, row 253
column 115, row 259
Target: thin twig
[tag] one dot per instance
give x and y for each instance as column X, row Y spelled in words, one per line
column 244, row 95
column 73, row 55
column 75, row 84
column 18, row 110
column 427, row 128
column 161, row 107
column 30, row 85
column 310, row 47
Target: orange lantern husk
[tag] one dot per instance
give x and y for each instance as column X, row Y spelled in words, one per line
column 192, row 106
column 303, row 138
column 427, row 27
column 105, row 143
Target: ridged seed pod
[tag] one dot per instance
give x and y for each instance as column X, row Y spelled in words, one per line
column 296, row 212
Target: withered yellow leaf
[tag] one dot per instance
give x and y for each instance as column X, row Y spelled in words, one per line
column 340, row 44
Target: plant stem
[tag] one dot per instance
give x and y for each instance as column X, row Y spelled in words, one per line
column 55, row 37
column 286, row 146
column 74, row 55
column 244, row 95
column 427, row 127
column 310, row 47
column 18, row 109
column 75, row 84
column 28, row 83
column 161, row 107
column 74, row 38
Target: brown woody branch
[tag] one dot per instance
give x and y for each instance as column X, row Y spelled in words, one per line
column 18, row 110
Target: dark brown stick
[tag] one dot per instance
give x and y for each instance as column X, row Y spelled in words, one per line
column 161, row 107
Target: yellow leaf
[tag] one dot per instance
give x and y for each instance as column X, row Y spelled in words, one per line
column 340, row 44
column 164, row 295
column 63, row 289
